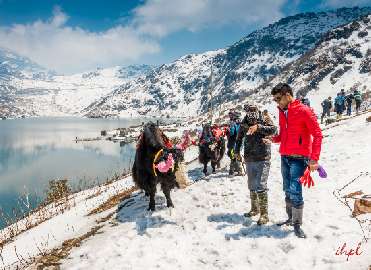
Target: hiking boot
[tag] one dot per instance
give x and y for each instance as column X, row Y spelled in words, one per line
column 232, row 167
column 254, row 205
column 263, row 205
column 231, row 171
column 299, row 232
column 297, row 221
column 239, row 168
column 288, row 212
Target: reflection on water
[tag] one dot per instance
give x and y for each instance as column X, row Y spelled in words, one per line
column 34, row 151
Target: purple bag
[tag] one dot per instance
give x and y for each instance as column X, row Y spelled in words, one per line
column 321, row 171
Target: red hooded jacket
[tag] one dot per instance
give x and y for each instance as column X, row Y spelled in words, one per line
column 299, row 132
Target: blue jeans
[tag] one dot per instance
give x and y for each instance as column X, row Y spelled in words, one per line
column 349, row 110
column 292, row 169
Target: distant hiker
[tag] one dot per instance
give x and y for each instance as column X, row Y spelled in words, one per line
column 255, row 128
column 358, row 98
column 326, row 108
column 339, row 105
column 342, row 92
column 232, row 132
column 349, row 101
column 300, row 139
column 305, row 101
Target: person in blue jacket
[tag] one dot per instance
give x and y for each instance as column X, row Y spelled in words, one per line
column 339, row 104
column 232, row 132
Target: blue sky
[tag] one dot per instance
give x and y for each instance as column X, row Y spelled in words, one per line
column 77, row 35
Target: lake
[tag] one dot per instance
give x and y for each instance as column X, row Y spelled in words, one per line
column 36, row 150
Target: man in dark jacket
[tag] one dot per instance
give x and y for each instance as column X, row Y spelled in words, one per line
column 255, row 128
column 232, row 132
column 326, row 108
column 349, row 101
column 300, row 139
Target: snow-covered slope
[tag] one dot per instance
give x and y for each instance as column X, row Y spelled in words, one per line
column 182, row 86
column 13, row 65
column 207, row 230
column 341, row 60
column 69, row 94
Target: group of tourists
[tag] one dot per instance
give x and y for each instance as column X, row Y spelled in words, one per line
column 300, row 138
column 343, row 102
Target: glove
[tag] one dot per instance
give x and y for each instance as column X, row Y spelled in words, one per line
column 238, row 157
column 306, row 179
column 321, row 172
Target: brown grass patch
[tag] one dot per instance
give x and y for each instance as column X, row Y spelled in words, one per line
column 52, row 259
column 113, row 201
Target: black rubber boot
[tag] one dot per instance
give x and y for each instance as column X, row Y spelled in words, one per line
column 297, row 221
column 288, row 212
column 232, row 167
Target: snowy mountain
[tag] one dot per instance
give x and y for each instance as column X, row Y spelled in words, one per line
column 341, row 60
column 13, row 65
column 182, row 86
column 48, row 94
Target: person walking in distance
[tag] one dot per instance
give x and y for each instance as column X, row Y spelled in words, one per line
column 358, row 98
column 326, row 108
column 232, row 132
column 300, row 140
column 349, row 101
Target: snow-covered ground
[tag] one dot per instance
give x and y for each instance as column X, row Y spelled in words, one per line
column 207, row 230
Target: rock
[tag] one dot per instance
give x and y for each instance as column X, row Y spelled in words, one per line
column 330, row 121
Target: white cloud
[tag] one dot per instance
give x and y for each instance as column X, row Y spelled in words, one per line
column 55, row 45
column 71, row 49
column 162, row 17
column 345, row 3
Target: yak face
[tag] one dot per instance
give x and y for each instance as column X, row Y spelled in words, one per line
column 152, row 136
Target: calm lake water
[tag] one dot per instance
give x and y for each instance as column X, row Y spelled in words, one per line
column 34, row 151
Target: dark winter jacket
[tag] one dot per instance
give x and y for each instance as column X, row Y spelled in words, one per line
column 339, row 103
column 357, row 96
column 232, row 133
column 349, row 100
column 255, row 149
column 326, row 105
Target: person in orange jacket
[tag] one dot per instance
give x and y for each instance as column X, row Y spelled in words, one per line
column 300, row 139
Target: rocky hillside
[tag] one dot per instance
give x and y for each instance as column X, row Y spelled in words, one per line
column 182, row 86
column 341, row 60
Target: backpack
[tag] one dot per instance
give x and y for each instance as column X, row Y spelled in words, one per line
column 357, row 96
column 339, row 101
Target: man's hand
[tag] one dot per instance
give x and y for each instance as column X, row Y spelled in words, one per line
column 313, row 165
column 252, row 130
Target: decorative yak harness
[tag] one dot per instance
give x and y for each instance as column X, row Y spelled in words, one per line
column 213, row 137
column 163, row 160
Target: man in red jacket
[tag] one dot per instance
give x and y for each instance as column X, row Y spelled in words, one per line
column 300, row 139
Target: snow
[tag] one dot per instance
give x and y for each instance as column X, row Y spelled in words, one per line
column 207, row 230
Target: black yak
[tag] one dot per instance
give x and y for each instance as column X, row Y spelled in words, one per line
column 211, row 147
column 154, row 147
